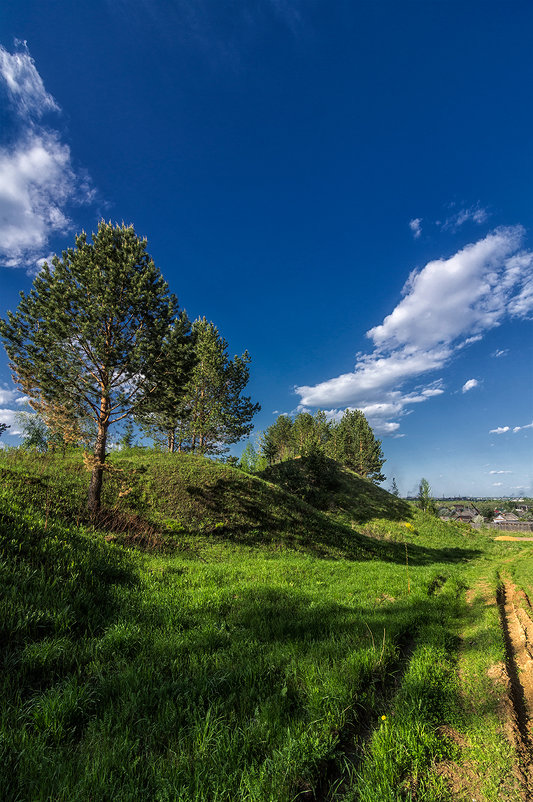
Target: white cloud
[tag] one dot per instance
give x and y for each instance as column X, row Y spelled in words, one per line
column 504, row 429
column 446, row 306
column 474, row 214
column 9, row 396
column 23, row 83
column 494, row 472
column 522, row 304
column 497, row 484
column 519, row 428
column 9, row 416
column 415, row 227
column 6, row 396
column 460, row 296
column 38, row 181
column 469, row 385
column 500, row 352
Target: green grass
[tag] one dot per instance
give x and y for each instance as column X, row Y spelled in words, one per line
column 242, row 661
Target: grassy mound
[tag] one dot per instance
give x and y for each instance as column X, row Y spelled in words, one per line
column 194, row 502
column 328, row 485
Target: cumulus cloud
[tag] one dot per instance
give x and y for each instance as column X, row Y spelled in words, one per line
column 498, row 472
column 497, row 484
column 8, row 416
column 469, row 385
column 522, row 304
column 500, row 430
column 415, row 226
column 6, row 396
column 446, row 306
column 458, row 297
column 38, row 181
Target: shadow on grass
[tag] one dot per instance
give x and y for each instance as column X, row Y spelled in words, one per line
column 275, row 615
column 55, row 583
column 253, row 667
column 327, row 485
column 248, row 515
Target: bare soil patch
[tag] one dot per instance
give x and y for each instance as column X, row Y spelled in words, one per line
column 517, row 626
column 508, row 537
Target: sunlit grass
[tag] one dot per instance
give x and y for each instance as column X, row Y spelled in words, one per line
column 239, row 667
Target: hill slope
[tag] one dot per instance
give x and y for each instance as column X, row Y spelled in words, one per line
column 195, row 502
column 329, row 486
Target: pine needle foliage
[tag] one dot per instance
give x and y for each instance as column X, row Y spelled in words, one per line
column 210, row 411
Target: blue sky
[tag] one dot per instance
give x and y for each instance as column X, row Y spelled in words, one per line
column 345, row 189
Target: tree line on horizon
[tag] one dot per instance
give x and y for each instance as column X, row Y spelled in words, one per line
column 100, row 340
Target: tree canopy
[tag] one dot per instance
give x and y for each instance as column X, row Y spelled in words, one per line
column 350, row 441
column 210, row 411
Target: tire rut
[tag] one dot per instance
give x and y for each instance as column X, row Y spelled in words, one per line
column 517, row 627
column 355, row 736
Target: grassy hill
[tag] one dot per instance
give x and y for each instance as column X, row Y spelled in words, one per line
column 250, row 647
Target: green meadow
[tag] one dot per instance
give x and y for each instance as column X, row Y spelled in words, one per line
column 215, row 637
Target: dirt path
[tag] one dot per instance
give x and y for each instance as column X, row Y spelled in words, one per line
column 516, row 616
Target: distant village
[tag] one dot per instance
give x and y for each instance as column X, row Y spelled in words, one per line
column 520, row 518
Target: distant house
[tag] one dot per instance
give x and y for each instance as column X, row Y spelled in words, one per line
column 505, row 517
column 466, row 513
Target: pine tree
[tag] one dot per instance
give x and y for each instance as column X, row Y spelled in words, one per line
column 356, row 446
column 305, row 435
column 351, row 441
column 87, row 338
column 277, row 441
column 162, row 414
column 214, row 412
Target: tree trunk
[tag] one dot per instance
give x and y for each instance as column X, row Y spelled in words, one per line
column 95, row 485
